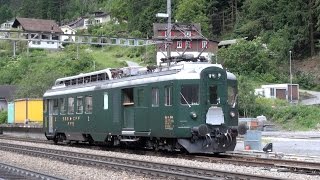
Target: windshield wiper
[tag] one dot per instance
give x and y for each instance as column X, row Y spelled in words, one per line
column 185, row 99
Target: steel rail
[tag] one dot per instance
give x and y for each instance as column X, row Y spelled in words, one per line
column 304, row 167
column 12, row 172
column 148, row 168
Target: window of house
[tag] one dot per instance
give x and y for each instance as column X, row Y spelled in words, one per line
column 88, row 103
column 70, row 105
column 97, row 21
column 105, row 101
column 155, row 97
column 168, row 96
column 62, row 106
column 272, row 92
column 213, row 91
column 188, row 44
column 55, row 107
column 204, row 44
column 189, row 94
column 127, row 96
column 79, row 105
column 187, row 34
column 179, row 44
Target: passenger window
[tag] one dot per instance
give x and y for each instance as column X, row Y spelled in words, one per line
column 50, row 106
column 213, row 90
column 70, row 105
column 127, row 96
column 155, row 97
column 88, row 107
column 140, row 97
column 55, row 107
column 79, row 105
column 168, row 95
column 189, row 94
column 62, row 106
column 45, row 105
column 106, row 101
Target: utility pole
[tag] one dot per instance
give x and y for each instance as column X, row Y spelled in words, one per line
column 290, row 78
column 169, row 29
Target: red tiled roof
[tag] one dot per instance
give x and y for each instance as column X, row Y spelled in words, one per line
column 37, row 25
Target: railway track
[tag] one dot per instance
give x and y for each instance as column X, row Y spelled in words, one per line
column 158, row 170
column 281, row 165
column 12, row 172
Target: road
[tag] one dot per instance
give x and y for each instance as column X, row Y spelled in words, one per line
column 300, row 143
column 311, row 101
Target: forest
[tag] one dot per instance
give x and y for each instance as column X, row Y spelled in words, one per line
column 294, row 24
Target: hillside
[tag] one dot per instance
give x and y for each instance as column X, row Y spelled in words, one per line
column 310, row 66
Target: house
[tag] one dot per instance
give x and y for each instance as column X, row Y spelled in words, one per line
column 279, row 91
column 7, row 93
column 6, row 25
column 98, row 17
column 186, row 39
column 44, row 34
column 68, row 31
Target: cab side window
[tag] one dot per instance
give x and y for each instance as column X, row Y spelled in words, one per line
column 155, row 97
column 70, row 105
column 79, row 105
column 88, row 104
column 168, row 95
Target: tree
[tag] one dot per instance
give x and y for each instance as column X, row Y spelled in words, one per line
column 193, row 11
column 248, row 58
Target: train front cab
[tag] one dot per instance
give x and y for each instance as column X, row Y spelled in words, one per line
column 216, row 130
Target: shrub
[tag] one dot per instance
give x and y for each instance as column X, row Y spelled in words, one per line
column 3, row 117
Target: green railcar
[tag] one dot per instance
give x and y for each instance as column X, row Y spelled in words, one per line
column 189, row 106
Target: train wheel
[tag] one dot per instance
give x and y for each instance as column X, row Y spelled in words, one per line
column 55, row 140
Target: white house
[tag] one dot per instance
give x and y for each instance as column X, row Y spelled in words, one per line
column 98, row 17
column 41, row 33
column 68, row 32
column 280, row 91
column 6, row 25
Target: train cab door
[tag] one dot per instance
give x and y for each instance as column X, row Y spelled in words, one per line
column 214, row 95
column 141, row 120
column 50, row 113
column 128, row 111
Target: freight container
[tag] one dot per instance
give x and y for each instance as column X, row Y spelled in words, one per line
column 10, row 112
column 28, row 110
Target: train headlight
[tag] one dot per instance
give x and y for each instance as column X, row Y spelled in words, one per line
column 232, row 114
column 193, row 115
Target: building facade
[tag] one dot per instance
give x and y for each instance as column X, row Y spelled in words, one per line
column 279, row 91
column 186, row 40
column 43, row 34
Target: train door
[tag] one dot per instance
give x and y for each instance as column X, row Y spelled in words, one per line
column 141, row 123
column 168, row 111
column 50, row 113
column 215, row 96
column 128, row 109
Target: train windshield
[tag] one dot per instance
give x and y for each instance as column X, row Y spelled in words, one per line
column 213, row 90
column 232, row 95
column 189, row 94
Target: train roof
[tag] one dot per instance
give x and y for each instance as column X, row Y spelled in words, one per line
column 186, row 70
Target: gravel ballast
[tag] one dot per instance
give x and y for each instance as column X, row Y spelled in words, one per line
column 70, row 171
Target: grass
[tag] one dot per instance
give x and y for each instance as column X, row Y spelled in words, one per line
column 114, row 56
